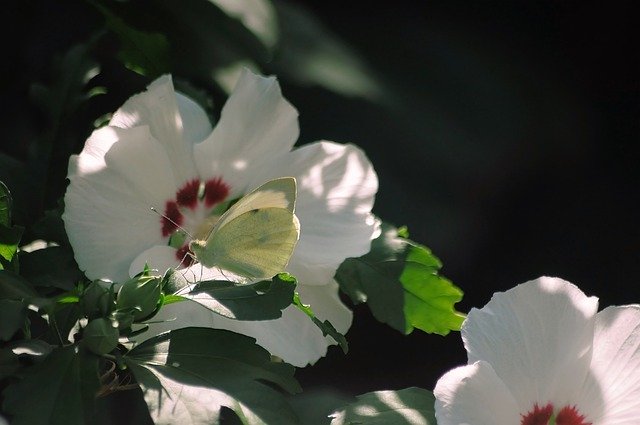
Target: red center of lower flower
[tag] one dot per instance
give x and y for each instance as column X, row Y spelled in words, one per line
column 568, row 415
column 192, row 204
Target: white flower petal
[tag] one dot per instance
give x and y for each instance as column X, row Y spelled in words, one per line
column 537, row 337
column 336, row 191
column 179, row 315
column 474, row 395
column 107, row 205
column 255, row 124
column 616, row 367
column 294, row 337
column 326, row 304
column 158, row 109
column 158, row 258
column 195, row 121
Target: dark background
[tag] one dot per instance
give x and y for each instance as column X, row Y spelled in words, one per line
column 505, row 136
column 513, row 154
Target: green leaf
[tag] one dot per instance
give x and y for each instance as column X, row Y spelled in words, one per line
column 15, row 287
column 35, row 350
column 60, row 390
column 51, row 267
column 9, row 363
column 409, row 406
column 9, row 235
column 146, row 53
column 51, row 227
column 98, row 299
column 258, row 301
column 5, row 205
column 63, row 323
column 188, row 375
column 100, row 336
column 326, row 327
column 399, row 280
column 9, row 240
column 13, row 315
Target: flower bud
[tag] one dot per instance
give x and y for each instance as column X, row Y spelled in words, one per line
column 140, row 294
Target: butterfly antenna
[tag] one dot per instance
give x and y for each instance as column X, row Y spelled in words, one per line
column 172, row 222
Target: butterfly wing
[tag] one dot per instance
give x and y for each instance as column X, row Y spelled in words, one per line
column 276, row 193
column 257, row 235
column 256, row 244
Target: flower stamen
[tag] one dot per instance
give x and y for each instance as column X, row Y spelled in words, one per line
column 568, row 415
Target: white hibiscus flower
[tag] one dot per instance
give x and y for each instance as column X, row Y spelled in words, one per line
column 160, row 151
column 541, row 354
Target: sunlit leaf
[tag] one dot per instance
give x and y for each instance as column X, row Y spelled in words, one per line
column 399, row 281
column 259, row 301
column 410, row 406
column 60, row 390
column 188, row 375
column 9, row 241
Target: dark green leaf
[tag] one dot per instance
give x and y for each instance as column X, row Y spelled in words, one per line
column 9, row 235
column 59, row 390
column 15, row 287
column 204, row 40
column 13, row 314
column 188, row 375
column 52, row 267
column 403, row 407
column 98, row 299
column 326, row 327
column 9, row 363
column 5, row 205
column 100, row 336
column 66, row 122
column 51, row 227
column 63, row 323
column 399, row 280
column 258, row 301
column 34, row 348
column 146, row 53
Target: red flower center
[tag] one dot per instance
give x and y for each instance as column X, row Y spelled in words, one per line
column 568, row 415
column 194, row 200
